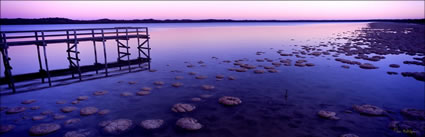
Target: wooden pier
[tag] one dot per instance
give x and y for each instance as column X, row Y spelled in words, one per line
column 72, row 37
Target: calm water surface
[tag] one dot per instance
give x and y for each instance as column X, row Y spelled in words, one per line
column 264, row 112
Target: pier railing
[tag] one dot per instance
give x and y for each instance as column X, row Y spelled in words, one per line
column 72, row 37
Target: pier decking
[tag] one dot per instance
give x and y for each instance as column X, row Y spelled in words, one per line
column 72, row 37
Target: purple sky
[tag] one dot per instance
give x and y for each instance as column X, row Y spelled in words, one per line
column 282, row 10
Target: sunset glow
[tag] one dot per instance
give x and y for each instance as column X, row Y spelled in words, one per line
column 281, row 10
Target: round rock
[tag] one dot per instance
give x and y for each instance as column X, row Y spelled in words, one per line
column 229, row 101
column 15, row 110
column 88, row 111
column 188, row 123
column 177, row 84
column 81, row 98
column 35, row 118
column 369, row 110
column 6, row 128
column 126, row 94
column 104, row 112
column 29, row 101
column 99, row 93
column 181, row 107
column 207, row 87
column 152, row 123
column 71, row 122
column 68, row 109
column 116, row 127
column 158, row 83
column 413, row 113
column 143, row 93
column 348, row 135
column 43, row 129
column 328, row 114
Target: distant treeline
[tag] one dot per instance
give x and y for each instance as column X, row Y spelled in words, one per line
column 20, row 21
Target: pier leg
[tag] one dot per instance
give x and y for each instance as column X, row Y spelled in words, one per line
column 41, row 71
column 95, row 53
column 128, row 57
column 47, row 65
column 40, row 64
column 69, row 54
column 104, row 56
column 8, row 68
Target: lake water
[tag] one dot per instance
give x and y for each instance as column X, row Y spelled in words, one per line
column 265, row 110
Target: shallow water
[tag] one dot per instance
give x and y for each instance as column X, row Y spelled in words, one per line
column 265, row 110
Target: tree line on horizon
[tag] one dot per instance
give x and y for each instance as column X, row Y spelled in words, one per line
column 23, row 21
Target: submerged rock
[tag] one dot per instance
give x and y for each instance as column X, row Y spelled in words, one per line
column 44, row 129
column 328, row 114
column 348, row 135
column 394, row 65
column 29, row 101
column 47, row 112
column 152, row 123
column 71, row 122
column 158, row 83
column 35, row 118
column 231, row 78
column 99, row 93
column 104, row 112
column 188, row 123
column 205, row 96
column 88, row 111
column 201, row 77
column 240, row 70
column 61, row 102
column 412, row 128
column 207, row 87
column 146, row 88
column 177, row 84
column 196, row 99
column 6, row 128
column 126, row 94
column 81, row 98
column 143, row 93
column 132, row 82
column 219, row 76
column 369, row 110
column 368, row 66
column 272, row 71
column 68, row 109
column 229, row 101
column 413, row 113
column 58, row 116
column 192, row 73
column 181, row 107
column 179, row 77
column 35, row 107
column 116, row 127
column 258, row 71
column 75, row 102
column 15, row 110
column 78, row 133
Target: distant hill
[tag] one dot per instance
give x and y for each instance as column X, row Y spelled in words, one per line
column 21, row 21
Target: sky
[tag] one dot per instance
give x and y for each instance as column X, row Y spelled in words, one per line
column 260, row 10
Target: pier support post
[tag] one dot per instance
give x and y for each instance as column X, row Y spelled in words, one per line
column 104, row 53
column 41, row 71
column 7, row 67
column 74, row 49
column 95, row 51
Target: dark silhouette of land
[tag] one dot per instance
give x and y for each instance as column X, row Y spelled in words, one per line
column 22, row 21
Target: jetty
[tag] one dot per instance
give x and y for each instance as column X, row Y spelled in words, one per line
column 71, row 38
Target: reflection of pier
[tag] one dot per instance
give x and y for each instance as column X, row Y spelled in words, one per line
column 72, row 37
